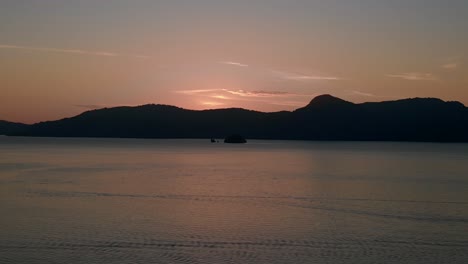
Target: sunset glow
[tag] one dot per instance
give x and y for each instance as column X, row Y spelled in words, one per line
column 58, row 56
column 234, row 131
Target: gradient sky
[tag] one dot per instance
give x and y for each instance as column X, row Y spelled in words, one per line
column 59, row 58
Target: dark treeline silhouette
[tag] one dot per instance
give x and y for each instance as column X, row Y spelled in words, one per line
column 324, row 118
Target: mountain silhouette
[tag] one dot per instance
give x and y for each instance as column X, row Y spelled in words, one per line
column 326, row 100
column 324, row 118
column 7, row 128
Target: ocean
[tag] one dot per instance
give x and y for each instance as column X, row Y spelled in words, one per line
column 69, row 200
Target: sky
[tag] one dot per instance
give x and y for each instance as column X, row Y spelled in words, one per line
column 59, row 58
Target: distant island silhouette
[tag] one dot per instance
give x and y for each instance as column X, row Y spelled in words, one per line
column 235, row 139
column 324, row 118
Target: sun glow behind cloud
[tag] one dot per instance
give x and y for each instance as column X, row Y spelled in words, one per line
column 241, row 84
column 233, row 98
column 208, row 103
column 221, row 97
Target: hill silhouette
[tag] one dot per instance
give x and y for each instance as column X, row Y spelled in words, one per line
column 324, row 118
column 7, row 128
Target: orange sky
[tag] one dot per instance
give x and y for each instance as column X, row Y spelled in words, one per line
column 59, row 59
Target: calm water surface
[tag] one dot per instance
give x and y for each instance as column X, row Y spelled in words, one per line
column 190, row 201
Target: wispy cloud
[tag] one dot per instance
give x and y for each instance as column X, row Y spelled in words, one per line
column 259, row 96
column 302, row 77
column 242, row 93
column 450, row 66
column 74, row 51
column 258, row 93
column 370, row 94
column 221, row 97
column 363, row 94
column 414, row 76
column 285, row 74
column 233, row 63
column 192, row 92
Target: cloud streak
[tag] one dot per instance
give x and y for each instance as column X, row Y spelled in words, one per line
column 360, row 93
column 286, row 75
column 221, row 97
column 301, row 77
column 414, row 76
column 364, row 94
column 241, row 93
column 450, row 66
column 244, row 93
column 233, row 63
column 74, row 51
column 260, row 96
column 193, row 92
